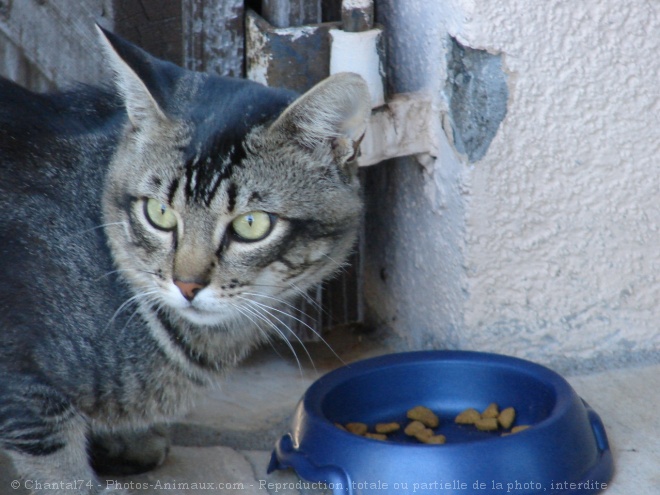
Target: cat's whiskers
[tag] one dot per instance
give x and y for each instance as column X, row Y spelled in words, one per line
column 309, row 299
column 249, row 317
column 256, row 311
column 87, row 231
column 297, row 290
column 131, row 300
column 302, row 313
column 269, row 310
column 135, row 270
column 284, row 302
column 340, row 266
column 137, row 309
column 267, row 335
column 301, row 293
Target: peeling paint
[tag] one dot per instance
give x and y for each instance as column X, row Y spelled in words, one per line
column 297, row 32
column 258, row 58
column 295, row 58
column 477, row 93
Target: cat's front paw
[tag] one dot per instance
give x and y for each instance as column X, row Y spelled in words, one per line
column 128, row 452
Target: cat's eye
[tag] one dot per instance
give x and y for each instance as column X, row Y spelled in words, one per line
column 253, row 226
column 159, row 215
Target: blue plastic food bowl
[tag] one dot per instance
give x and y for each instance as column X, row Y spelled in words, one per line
column 565, row 450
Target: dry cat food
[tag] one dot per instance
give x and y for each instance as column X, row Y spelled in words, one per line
column 491, row 419
column 507, row 417
column 386, row 428
column 420, row 427
column 357, row 428
column 423, row 415
column 423, row 420
column 468, row 417
column 376, row 436
column 419, row 430
column 516, row 429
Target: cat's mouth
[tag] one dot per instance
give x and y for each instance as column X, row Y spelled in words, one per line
column 201, row 317
column 203, row 310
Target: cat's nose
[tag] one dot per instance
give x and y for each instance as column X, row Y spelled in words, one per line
column 189, row 289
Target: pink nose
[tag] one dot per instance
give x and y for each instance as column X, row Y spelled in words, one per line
column 188, row 289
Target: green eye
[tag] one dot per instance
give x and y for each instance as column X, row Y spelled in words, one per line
column 252, row 226
column 159, row 215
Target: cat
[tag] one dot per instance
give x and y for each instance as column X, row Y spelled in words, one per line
column 151, row 231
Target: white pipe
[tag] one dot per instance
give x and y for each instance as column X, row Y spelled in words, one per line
column 358, row 52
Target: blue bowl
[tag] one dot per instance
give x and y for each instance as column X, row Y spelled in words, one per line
column 565, row 450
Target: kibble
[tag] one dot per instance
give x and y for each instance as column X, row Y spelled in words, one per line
column 517, row 429
column 486, row 424
column 507, row 417
column 423, row 420
column 357, row 428
column 424, row 415
column 492, row 411
column 436, row 440
column 468, row 417
column 387, row 427
column 424, row 434
column 413, row 428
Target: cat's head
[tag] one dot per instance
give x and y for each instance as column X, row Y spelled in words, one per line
column 225, row 195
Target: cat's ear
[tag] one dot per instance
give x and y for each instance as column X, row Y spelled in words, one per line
column 329, row 118
column 134, row 70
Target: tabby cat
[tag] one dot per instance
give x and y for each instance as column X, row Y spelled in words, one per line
column 148, row 233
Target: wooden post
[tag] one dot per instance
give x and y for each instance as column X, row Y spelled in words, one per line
column 214, row 36
column 48, row 45
column 291, row 13
column 201, row 35
column 154, row 25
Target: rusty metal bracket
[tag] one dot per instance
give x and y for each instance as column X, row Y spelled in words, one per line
column 406, row 125
column 299, row 57
column 294, row 57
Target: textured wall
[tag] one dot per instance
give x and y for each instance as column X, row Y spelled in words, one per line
column 554, row 234
column 563, row 215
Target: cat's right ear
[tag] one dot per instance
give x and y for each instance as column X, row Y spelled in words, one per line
column 126, row 60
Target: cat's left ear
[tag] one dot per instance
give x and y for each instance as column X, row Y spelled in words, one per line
column 135, row 71
column 331, row 118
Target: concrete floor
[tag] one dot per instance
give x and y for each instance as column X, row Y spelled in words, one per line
column 226, row 440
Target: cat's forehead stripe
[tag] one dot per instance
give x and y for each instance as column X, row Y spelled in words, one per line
column 231, row 196
column 207, row 170
column 174, row 185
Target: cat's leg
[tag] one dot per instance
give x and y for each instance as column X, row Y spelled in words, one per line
column 46, row 439
column 120, row 453
column 65, row 472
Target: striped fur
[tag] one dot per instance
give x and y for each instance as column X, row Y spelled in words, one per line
column 109, row 322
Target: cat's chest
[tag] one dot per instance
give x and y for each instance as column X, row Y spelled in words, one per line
column 141, row 396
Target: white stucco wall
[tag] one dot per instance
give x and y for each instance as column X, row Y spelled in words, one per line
column 554, row 236
column 563, row 218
